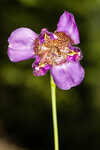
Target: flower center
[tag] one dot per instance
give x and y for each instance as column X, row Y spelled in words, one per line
column 53, row 50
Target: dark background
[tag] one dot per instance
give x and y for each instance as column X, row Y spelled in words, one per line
column 25, row 105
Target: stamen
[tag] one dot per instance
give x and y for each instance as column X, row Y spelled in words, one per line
column 54, row 51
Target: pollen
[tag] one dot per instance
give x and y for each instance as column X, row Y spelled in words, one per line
column 53, row 51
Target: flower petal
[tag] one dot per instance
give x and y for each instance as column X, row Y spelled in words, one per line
column 21, row 43
column 75, row 57
column 42, row 35
column 68, row 25
column 39, row 70
column 67, row 75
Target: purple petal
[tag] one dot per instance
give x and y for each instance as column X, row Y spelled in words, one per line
column 76, row 57
column 73, row 58
column 67, row 75
column 21, row 44
column 68, row 25
column 39, row 70
column 42, row 35
column 76, row 49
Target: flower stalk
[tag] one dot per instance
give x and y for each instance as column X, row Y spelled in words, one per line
column 54, row 114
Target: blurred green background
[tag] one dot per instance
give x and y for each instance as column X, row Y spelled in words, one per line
column 25, row 105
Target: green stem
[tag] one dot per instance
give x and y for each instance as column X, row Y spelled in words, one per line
column 54, row 114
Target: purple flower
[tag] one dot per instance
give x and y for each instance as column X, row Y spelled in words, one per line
column 52, row 51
